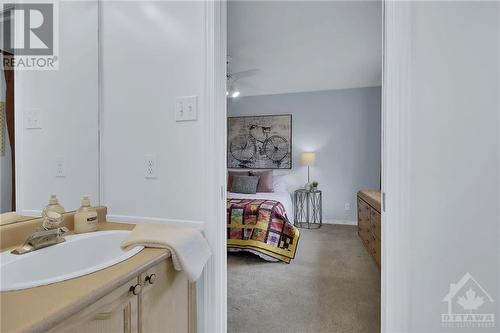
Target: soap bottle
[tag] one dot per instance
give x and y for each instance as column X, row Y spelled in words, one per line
column 85, row 217
column 53, row 206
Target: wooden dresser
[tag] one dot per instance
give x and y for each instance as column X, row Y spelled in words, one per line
column 369, row 224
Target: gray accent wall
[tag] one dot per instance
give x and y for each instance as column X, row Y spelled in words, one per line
column 343, row 127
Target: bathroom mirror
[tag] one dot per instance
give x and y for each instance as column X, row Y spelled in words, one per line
column 49, row 101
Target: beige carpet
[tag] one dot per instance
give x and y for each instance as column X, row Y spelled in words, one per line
column 333, row 285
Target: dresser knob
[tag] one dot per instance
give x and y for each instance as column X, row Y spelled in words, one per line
column 136, row 289
column 151, row 278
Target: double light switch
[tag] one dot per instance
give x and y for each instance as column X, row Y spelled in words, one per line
column 186, row 108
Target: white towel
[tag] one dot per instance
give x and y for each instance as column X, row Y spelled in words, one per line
column 190, row 250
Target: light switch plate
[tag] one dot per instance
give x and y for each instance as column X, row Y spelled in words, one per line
column 33, row 119
column 186, row 108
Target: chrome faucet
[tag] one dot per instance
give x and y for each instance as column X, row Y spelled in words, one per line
column 50, row 233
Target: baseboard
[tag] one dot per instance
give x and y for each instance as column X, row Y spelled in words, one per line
column 137, row 219
column 338, row 221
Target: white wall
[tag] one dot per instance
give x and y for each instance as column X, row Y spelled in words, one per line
column 302, row 46
column 68, row 102
column 152, row 52
column 343, row 128
column 453, row 149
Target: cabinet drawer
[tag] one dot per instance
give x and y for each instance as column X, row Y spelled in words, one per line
column 375, row 223
column 115, row 312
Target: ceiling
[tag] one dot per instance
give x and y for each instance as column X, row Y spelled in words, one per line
column 303, row 46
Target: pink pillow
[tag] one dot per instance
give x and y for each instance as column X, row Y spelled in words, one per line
column 265, row 181
column 230, row 175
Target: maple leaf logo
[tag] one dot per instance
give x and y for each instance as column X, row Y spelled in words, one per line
column 470, row 301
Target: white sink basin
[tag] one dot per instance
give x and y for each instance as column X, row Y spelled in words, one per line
column 79, row 255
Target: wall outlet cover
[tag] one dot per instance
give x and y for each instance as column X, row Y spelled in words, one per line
column 60, row 167
column 150, row 166
column 33, row 118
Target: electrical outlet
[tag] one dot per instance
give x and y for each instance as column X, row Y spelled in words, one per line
column 33, row 119
column 150, row 166
column 347, row 206
column 60, row 168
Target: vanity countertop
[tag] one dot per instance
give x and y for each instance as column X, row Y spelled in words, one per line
column 38, row 309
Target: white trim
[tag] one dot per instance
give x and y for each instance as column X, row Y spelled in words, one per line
column 339, row 221
column 18, row 137
column 100, row 109
column 19, row 109
column 214, row 316
column 30, row 212
column 396, row 95
column 138, row 219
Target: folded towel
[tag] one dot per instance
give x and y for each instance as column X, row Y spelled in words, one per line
column 189, row 249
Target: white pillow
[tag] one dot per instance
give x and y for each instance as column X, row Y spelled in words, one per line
column 280, row 183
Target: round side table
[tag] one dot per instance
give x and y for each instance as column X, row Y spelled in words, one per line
column 308, row 209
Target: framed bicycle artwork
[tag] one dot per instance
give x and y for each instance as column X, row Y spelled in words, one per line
column 259, row 142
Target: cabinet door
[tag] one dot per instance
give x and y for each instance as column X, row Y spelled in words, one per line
column 115, row 312
column 163, row 304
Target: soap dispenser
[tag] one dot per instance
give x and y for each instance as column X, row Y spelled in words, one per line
column 53, row 206
column 85, row 217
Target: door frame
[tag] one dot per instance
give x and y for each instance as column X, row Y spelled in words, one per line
column 396, row 166
column 214, row 316
column 396, row 94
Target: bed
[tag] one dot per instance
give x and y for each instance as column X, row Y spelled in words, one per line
column 261, row 223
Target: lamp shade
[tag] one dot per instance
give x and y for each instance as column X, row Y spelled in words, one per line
column 307, row 158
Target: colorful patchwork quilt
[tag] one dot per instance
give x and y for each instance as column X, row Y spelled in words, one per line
column 261, row 226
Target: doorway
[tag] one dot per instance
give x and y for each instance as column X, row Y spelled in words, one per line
column 264, row 82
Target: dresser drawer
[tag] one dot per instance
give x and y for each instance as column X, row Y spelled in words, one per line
column 366, row 236
column 375, row 246
column 369, row 223
column 363, row 216
column 375, row 222
column 364, row 226
column 363, row 210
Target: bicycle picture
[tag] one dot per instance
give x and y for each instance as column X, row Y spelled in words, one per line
column 259, row 142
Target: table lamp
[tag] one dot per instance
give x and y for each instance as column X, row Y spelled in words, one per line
column 307, row 159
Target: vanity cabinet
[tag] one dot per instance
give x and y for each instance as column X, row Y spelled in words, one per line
column 163, row 305
column 157, row 300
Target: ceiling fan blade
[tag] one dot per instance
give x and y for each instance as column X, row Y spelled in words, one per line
column 238, row 75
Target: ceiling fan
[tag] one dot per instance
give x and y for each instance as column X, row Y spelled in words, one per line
column 232, row 77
